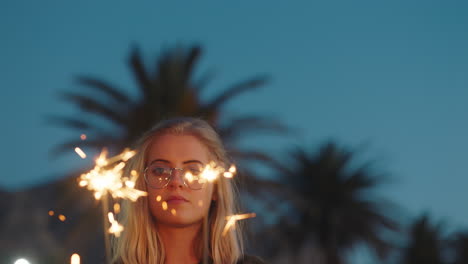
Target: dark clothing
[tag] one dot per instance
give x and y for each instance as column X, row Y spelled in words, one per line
column 251, row 260
column 244, row 260
column 247, row 259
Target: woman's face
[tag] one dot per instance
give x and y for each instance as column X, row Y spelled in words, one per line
column 176, row 204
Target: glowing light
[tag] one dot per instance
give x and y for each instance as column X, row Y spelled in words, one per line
column 158, row 198
column 62, row 218
column 115, row 228
column 212, row 171
column 164, row 205
column 83, row 136
column 75, row 259
column 22, row 261
column 173, row 211
column 80, row 153
column 231, row 221
column 117, row 208
column 200, row 203
column 230, row 173
column 51, row 213
column 104, row 178
column 189, row 177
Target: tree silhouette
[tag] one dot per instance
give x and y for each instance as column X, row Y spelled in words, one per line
column 426, row 243
column 168, row 91
column 459, row 245
column 332, row 205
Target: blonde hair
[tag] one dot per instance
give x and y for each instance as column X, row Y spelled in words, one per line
column 140, row 241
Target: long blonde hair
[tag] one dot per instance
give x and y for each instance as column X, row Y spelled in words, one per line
column 140, row 241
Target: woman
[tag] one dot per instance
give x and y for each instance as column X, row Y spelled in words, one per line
column 183, row 217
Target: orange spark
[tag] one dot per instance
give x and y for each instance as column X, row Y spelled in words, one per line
column 62, row 218
column 173, row 211
column 117, row 208
column 51, row 213
column 158, row 198
column 83, row 136
column 164, row 205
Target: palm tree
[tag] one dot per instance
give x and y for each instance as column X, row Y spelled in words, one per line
column 114, row 119
column 459, row 245
column 426, row 244
column 168, row 91
column 332, row 207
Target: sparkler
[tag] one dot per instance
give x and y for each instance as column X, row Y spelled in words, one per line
column 106, row 178
column 231, row 221
column 103, row 180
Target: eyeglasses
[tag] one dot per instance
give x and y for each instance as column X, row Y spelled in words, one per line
column 158, row 176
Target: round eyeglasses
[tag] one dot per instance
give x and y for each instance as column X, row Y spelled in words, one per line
column 158, row 176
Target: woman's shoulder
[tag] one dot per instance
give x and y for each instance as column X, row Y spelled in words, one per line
column 248, row 259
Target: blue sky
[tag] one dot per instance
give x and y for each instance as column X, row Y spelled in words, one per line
column 388, row 74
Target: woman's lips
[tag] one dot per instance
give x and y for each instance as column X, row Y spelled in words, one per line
column 176, row 200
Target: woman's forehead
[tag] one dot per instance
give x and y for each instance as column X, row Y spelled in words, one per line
column 177, row 148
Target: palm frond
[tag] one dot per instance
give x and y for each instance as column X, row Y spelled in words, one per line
column 254, row 124
column 139, row 72
column 235, row 90
column 70, row 122
column 95, row 107
column 104, row 87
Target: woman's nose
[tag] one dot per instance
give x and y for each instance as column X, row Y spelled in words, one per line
column 176, row 179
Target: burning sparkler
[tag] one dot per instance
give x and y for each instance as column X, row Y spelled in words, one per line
column 106, row 178
column 231, row 221
column 212, row 171
column 103, row 180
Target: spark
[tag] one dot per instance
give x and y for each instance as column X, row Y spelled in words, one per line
column 115, row 228
column 80, row 153
column 158, row 198
column 230, row 173
column 75, row 259
column 231, row 221
column 62, row 218
column 83, row 136
column 51, row 213
column 164, row 205
column 200, row 203
column 117, row 208
column 104, row 178
column 212, row 171
column 173, row 211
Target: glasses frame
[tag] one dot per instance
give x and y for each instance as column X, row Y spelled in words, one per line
column 171, row 175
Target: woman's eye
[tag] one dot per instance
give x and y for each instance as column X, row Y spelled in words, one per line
column 194, row 170
column 159, row 171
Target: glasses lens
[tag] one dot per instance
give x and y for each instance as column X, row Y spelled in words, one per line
column 193, row 176
column 157, row 176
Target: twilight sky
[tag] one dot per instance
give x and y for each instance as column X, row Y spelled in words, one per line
column 392, row 75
